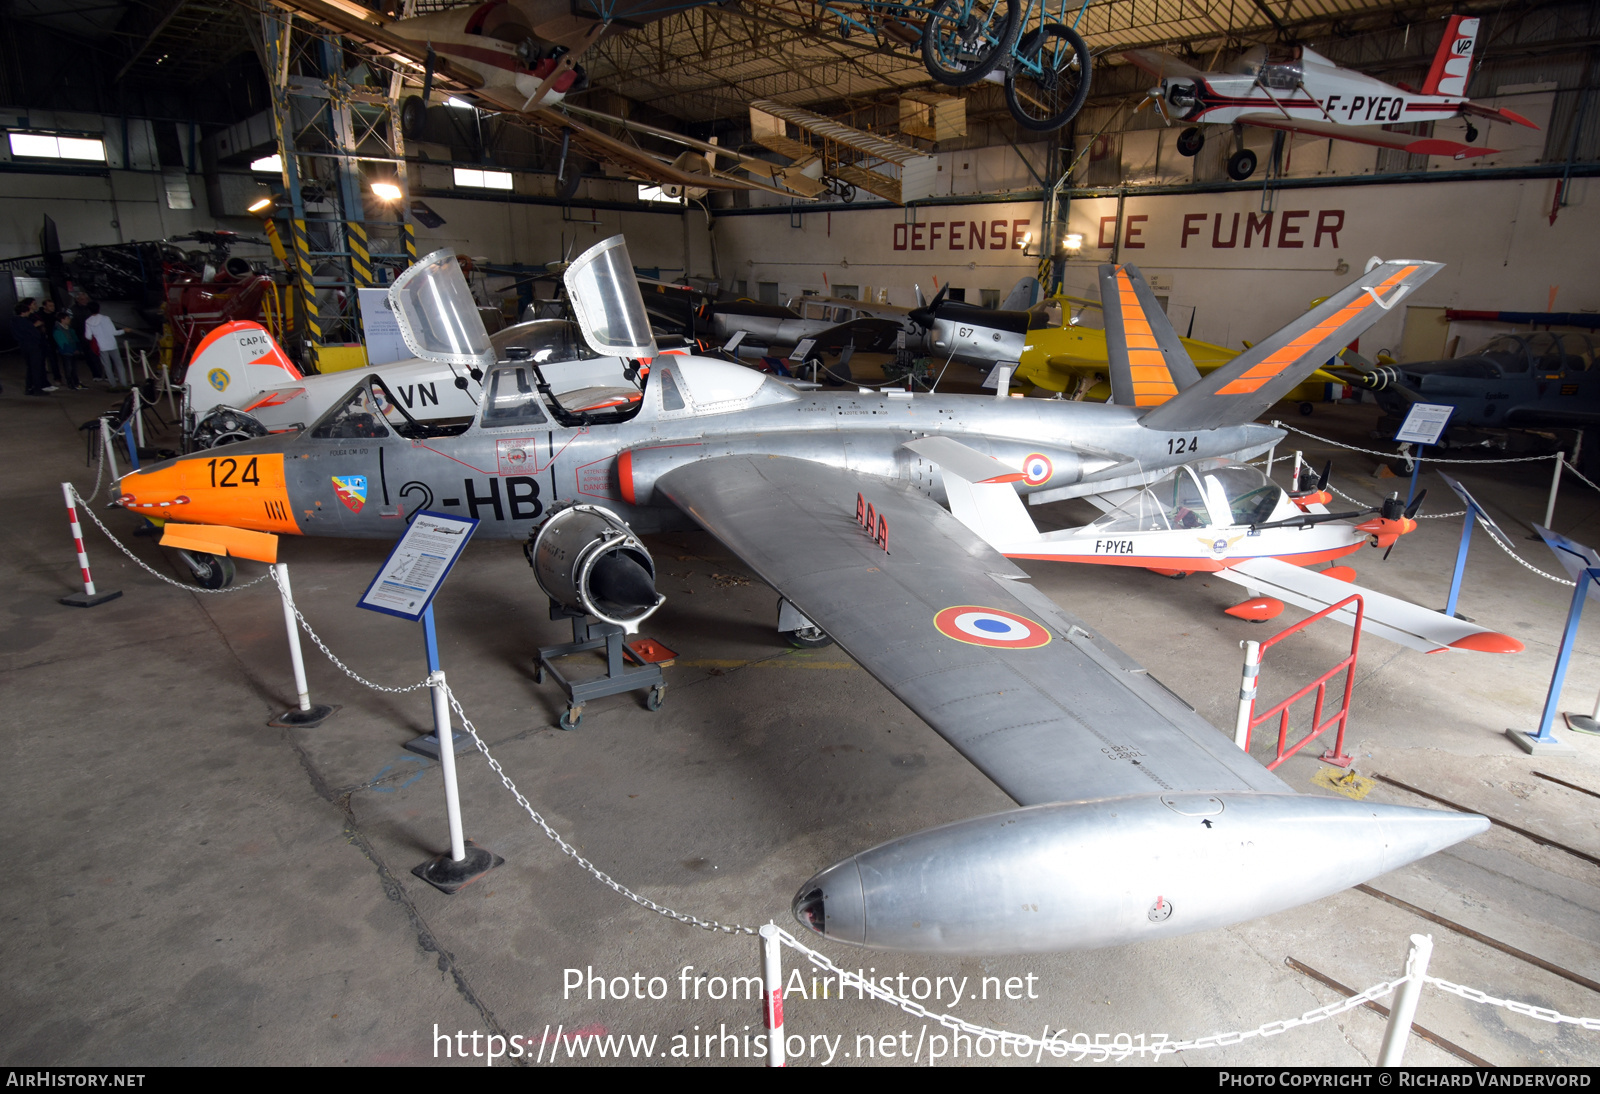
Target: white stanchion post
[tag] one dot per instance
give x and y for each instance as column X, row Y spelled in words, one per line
column 109, row 450
column 88, row 598
column 304, row 715
column 447, row 762
column 1247, row 694
column 1555, row 484
column 1272, row 456
column 138, row 417
column 772, row 992
column 1405, row 1003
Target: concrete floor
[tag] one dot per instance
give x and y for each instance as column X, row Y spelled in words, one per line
column 204, row 889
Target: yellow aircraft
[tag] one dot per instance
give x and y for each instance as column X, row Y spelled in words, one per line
column 1069, row 356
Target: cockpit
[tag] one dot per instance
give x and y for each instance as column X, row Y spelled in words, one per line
column 1281, row 69
column 1207, row 493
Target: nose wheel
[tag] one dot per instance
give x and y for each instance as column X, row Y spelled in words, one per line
column 210, row 571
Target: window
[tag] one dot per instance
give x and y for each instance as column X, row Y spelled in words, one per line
column 512, row 398
column 268, row 165
column 991, row 297
column 847, row 292
column 767, row 292
column 656, row 193
column 958, row 295
column 49, row 146
column 484, row 180
column 671, row 397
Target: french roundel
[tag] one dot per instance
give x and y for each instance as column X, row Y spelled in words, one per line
column 979, row 626
column 1037, row 469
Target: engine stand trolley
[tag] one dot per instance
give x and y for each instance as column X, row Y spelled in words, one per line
column 618, row 676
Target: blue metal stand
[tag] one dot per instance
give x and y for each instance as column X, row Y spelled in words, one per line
column 133, row 447
column 428, row 744
column 1416, row 469
column 1545, row 740
column 1461, row 556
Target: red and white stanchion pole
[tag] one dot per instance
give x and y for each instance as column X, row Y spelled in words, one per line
column 88, row 598
column 772, row 992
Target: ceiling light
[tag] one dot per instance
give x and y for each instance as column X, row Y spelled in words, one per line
column 261, row 204
column 1073, row 242
column 459, row 104
column 387, row 191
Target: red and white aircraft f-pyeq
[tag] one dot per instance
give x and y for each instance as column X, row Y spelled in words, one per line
column 1300, row 91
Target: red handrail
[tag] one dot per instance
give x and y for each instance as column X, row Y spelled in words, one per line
column 1336, row 755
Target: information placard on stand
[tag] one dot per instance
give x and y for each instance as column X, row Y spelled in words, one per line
column 1425, row 423
column 420, row 561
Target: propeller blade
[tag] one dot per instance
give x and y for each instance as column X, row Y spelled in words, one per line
column 921, row 303
column 1416, row 503
column 1322, row 481
column 924, row 315
column 1386, row 553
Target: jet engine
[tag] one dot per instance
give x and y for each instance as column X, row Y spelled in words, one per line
column 225, row 425
column 589, row 561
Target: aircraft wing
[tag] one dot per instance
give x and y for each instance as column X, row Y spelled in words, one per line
column 368, row 28
column 1368, row 134
column 1385, row 616
column 1161, row 65
column 871, row 335
column 1041, row 704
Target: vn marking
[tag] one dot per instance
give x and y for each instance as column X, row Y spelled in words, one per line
column 875, row 523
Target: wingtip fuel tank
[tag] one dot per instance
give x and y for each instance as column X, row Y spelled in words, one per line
column 1107, row 872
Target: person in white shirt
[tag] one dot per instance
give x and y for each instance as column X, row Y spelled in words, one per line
column 105, row 333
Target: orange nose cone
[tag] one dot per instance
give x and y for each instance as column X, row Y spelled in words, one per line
column 1258, row 610
column 236, row 491
column 1488, row 642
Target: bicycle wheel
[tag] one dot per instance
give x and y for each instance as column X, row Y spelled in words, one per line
column 965, row 39
column 1049, row 80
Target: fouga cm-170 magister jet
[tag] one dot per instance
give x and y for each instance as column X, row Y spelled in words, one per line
column 1303, row 92
column 1138, row 819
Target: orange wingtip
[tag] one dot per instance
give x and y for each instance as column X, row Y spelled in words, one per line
column 1488, row 642
column 217, row 540
column 1258, row 610
column 1340, row 573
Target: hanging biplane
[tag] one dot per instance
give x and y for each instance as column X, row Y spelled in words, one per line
column 519, row 58
column 1300, row 91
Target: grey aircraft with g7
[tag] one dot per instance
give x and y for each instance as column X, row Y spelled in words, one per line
column 1137, row 819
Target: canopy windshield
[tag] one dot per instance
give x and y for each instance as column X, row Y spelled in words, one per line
column 1215, row 493
column 437, row 315
column 606, row 302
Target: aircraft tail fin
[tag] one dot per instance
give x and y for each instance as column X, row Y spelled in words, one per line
column 1023, row 295
column 980, row 491
column 1254, row 380
column 1147, row 361
column 1452, row 64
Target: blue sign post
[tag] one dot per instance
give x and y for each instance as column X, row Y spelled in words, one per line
column 405, row 586
column 1475, row 513
column 1584, row 566
column 1423, row 426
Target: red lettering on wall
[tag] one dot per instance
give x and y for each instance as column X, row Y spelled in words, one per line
column 1216, row 232
column 916, row 237
column 1130, row 238
column 1019, row 228
column 1329, row 221
column 955, row 236
column 977, row 232
column 1263, row 225
column 899, row 237
column 1107, row 244
column 997, row 235
column 1286, row 233
column 933, row 233
column 1189, row 220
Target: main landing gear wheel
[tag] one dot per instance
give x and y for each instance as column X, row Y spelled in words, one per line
column 808, row 638
column 965, row 39
column 1306, row 408
column 572, row 717
column 1472, row 132
column 413, row 115
column 1046, row 101
column 1190, row 141
column 657, row 696
column 1241, row 165
column 212, row 572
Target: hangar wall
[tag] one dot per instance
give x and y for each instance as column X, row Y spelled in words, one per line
column 1501, row 250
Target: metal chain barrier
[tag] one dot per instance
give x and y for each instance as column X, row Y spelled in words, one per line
column 572, row 852
column 1544, row 1014
column 1408, row 457
column 326, row 652
column 146, row 567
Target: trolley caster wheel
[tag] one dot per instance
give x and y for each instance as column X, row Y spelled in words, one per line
column 808, row 638
column 656, row 697
column 211, row 571
column 538, row 672
column 1306, row 409
column 571, row 718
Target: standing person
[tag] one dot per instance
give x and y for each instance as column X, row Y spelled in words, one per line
column 68, row 350
column 30, row 342
column 80, row 315
column 105, row 332
column 47, row 315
